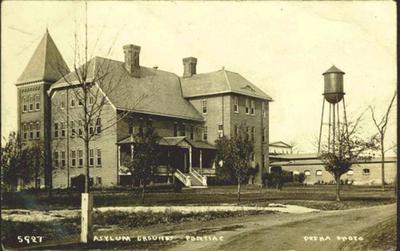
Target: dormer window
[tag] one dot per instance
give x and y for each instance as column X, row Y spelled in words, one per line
column 252, row 107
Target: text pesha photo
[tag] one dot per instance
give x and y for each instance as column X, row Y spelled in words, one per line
column 198, row 125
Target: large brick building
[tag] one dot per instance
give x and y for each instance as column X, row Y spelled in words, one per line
column 188, row 112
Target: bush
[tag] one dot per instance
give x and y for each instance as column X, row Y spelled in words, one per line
column 277, row 179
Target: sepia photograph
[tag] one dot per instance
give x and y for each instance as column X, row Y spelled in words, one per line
column 199, row 125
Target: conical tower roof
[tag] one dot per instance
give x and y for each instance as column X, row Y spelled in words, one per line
column 46, row 63
column 333, row 69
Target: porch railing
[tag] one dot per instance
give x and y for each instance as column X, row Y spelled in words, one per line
column 199, row 177
column 183, row 178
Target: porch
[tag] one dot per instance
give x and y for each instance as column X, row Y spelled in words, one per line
column 186, row 160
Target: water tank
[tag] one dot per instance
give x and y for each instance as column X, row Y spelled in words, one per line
column 333, row 85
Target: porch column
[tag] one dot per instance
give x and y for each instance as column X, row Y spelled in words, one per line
column 190, row 159
column 201, row 161
column 119, row 163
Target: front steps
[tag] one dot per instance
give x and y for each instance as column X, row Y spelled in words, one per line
column 192, row 179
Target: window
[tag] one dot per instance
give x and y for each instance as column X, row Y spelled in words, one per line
column 366, row 171
column 175, row 129
column 191, row 132
column 220, row 130
column 73, row 158
column 205, row 133
column 80, row 102
column 247, row 131
column 72, row 102
column 98, row 125
column 247, row 106
column 253, row 133
column 253, row 156
column 55, row 130
column 62, row 129
column 236, row 104
column 91, row 128
column 204, row 105
column 236, row 130
column 263, row 109
column 131, row 129
column 55, row 159
column 37, row 130
column 98, row 180
column 264, row 134
column 37, row 102
column 318, row 173
column 31, row 131
column 72, row 125
column 62, row 101
column 307, row 173
column 25, row 131
column 350, row 172
column 31, row 103
column 98, row 161
column 25, row 104
column 80, row 158
column 62, row 159
column 80, row 129
column 182, row 130
column 91, row 157
column 252, row 107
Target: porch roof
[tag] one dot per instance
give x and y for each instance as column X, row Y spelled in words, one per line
column 173, row 141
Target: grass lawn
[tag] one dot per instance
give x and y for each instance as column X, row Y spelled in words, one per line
column 319, row 197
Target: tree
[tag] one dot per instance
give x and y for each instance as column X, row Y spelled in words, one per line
column 143, row 164
column 89, row 85
column 234, row 154
column 20, row 161
column 381, row 126
column 348, row 148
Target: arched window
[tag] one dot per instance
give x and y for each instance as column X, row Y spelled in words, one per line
column 366, row 171
column 318, row 173
column 350, row 172
column 307, row 173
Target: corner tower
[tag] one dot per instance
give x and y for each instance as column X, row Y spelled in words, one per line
column 45, row 67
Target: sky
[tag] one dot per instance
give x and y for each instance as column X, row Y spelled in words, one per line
column 282, row 47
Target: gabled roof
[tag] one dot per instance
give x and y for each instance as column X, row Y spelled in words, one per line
column 279, row 144
column 46, row 63
column 219, row 82
column 333, row 69
column 156, row 92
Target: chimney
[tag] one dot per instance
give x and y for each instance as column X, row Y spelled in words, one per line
column 131, row 64
column 189, row 67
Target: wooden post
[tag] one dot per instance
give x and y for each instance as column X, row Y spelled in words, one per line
column 86, row 218
column 190, row 159
column 201, row 161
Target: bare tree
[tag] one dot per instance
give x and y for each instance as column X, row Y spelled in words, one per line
column 89, row 86
column 350, row 147
column 381, row 126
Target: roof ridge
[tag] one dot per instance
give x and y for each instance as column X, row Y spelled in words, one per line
column 227, row 79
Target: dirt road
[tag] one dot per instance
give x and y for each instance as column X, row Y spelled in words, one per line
column 286, row 231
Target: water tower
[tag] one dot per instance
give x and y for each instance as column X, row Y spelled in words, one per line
column 334, row 95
